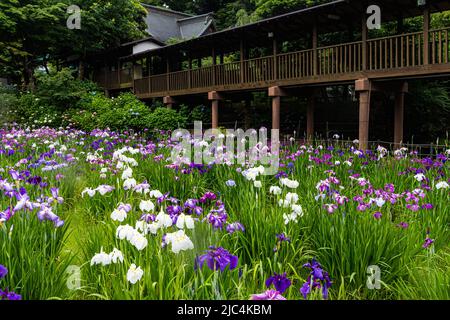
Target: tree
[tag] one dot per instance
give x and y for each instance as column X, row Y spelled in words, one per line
column 33, row 32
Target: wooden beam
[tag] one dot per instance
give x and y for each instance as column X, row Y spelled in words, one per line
column 277, row 91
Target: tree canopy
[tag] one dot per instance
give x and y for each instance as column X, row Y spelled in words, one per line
column 33, row 32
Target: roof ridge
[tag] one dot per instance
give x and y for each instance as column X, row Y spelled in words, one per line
column 188, row 15
column 195, row 17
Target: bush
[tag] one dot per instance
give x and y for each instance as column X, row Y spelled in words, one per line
column 166, row 119
column 62, row 90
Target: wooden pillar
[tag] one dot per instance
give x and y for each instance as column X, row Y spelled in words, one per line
column 364, row 35
column 169, row 102
column 311, row 103
column 315, row 42
column 276, row 106
column 222, row 58
column 363, row 86
column 399, row 114
column 215, row 98
column 426, row 35
column 276, row 93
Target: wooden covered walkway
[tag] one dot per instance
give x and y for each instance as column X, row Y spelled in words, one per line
column 371, row 63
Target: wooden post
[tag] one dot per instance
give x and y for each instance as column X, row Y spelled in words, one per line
column 364, row 43
column 242, row 51
column 215, row 98
column 363, row 86
column 168, row 102
column 276, row 93
column 275, row 59
column 310, row 116
column 190, row 72
column 315, row 42
column 399, row 114
column 276, row 106
column 426, row 35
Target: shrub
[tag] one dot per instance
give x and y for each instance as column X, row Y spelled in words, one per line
column 165, row 119
column 62, row 90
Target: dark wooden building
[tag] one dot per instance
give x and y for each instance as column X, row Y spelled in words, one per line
column 324, row 45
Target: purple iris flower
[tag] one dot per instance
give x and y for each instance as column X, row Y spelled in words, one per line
column 268, row 295
column 234, row 227
column 283, row 238
column 279, row 281
column 148, row 217
column 318, row 278
column 208, row 196
column 7, row 214
column 217, row 258
column 46, row 213
column 191, row 203
column 9, row 295
column 198, row 210
column 217, row 220
column 377, row 215
column 428, row 242
column 3, row 271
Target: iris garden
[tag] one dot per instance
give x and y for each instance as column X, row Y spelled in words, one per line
column 136, row 225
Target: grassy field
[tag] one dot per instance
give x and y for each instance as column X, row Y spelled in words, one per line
column 104, row 215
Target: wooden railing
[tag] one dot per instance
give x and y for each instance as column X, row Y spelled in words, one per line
column 343, row 58
column 401, row 51
column 295, row 65
column 440, row 49
column 258, row 70
column 395, row 52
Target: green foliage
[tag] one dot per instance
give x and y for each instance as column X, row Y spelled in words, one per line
column 33, row 32
column 61, row 90
column 165, row 119
column 8, row 101
column 428, row 112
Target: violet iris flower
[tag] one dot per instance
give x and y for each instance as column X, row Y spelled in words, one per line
column 234, row 227
column 318, row 278
column 268, row 295
column 9, row 295
column 3, row 271
column 217, row 258
column 279, row 281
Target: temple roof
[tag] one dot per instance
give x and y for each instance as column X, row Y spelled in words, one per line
column 164, row 24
